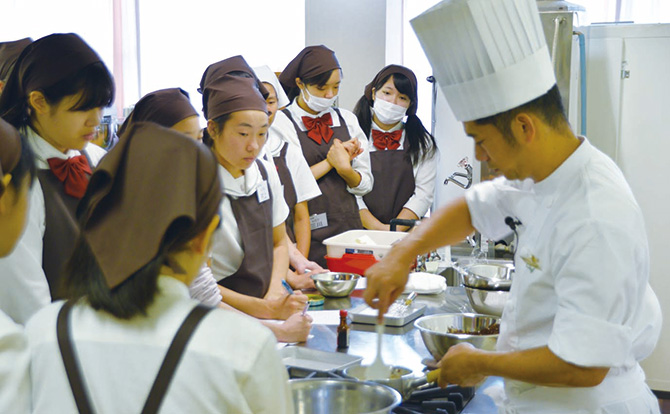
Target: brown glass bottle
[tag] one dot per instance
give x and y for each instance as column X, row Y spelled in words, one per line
column 343, row 331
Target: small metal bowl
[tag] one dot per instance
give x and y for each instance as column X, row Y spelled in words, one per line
column 335, row 284
column 489, row 302
column 329, row 395
column 435, row 331
column 491, row 276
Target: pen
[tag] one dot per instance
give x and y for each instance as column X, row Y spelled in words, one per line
column 287, row 287
column 304, row 311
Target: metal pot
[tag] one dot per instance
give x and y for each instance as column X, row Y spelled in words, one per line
column 401, row 379
column 342, row 396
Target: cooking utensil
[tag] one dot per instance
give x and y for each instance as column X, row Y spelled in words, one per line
column 489, row 302
column 378, row 370
column 401, row 379
column 335, row 284
column 435, row 331
column 491, row 276
column 329, row 395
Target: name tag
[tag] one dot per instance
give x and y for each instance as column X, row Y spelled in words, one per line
column 262, row 192
column 318, row 221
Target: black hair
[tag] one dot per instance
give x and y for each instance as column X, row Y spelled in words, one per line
column 25, row 166
column 220, row 122
column 420, row 144
column 318, row 80
column 84, row 278
column 549, row 107
column 94, row 82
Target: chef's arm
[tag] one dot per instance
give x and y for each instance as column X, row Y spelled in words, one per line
column 387, row 279
column 301, row 228
column 279, row 261
column 465, row 365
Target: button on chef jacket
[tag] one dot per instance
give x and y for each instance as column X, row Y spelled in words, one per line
column 580, row 284
column 424, row 178
column 227, row 251
column 25, row 288
column 283, row 126
column 229, row 366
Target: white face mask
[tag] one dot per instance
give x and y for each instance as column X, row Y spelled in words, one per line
column 388, row 113
column 315, row 103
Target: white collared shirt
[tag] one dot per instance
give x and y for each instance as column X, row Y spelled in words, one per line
column 227, row 250
column 424, row 177
column 14, row 368
column 581, row 280
column 361, row 164
column 218, row 372
column 25, row 288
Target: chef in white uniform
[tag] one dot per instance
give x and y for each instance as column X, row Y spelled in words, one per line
column 581, row 314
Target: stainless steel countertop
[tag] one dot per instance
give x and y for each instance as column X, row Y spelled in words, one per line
column 401, row 346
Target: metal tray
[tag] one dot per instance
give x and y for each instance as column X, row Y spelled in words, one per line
column 312, row 359
column 366, row 314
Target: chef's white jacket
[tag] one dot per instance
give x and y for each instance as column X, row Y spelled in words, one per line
column 229, row 366
column 305, row 185
column 580, row 284
column 424, row 178
column 283, row 126
column 14, row 365
column 25, row 288
column 227, row 250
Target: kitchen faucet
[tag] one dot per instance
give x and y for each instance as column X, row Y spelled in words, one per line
column 468, row 175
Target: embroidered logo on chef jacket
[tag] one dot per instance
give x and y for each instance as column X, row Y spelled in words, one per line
column 532, row 262
column 318, row 221
column 262, row 192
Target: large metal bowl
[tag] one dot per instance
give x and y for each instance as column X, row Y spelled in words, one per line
column 491, row 276
column 489, row 302
column 435, row 331
column 335, row 284
column 342, row 396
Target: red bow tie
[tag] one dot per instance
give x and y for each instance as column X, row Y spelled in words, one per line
column 318, row 129
column 73, row 173
column 386, row 140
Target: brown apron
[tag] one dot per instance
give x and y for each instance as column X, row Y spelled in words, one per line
column 394, row 184
column 165, row 373
column 290, row 195
column 254, row 220
column 61, row 229
column 335, row 201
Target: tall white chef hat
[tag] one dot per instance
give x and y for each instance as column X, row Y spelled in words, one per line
column 266, row 75
column 488, row 56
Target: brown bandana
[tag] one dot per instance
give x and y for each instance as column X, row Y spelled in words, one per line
column 9, row 52
column 10, row 149
column 310, row 62
column 230, row 94
column 153, row 178
column 390, row 70
column 164, row 107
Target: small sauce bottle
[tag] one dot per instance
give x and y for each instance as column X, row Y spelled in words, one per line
column 343, row 331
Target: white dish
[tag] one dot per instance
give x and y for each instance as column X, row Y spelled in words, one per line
column 425, row 283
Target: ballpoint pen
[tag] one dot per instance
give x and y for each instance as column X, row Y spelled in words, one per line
column 287, row 287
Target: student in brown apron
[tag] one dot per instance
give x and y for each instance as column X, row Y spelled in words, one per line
column 9, row 53
column 250, row 252
column 331, row 141
column 17, row 169
column 54, row 96
column 403, row 154
column 130, row 339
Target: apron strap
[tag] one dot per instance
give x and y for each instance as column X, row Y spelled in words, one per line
column 165, row 373
column 70, row 359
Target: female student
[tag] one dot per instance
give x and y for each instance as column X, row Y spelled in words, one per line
column 17, row 170
column 54, row 96
column 172, row 109
column 403, row 154
column 250, row 252
column 331, row 140
column 129, row 336
column 9, row 52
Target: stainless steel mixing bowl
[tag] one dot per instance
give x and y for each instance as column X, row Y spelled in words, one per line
column 435, row 331
column 489, row 302
column 335, row 284
column 342, row 396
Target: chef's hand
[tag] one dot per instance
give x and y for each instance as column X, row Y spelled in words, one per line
column 338, row 156
column 457, row 366
column 295, row 329
column 353, row 147
column 286, row 305
column 300, row 280
column 386, row 280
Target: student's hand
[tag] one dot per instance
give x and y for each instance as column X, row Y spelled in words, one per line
column 300, row 280
column 353, row 147
column 295, row 329
column 338, row 156
column 286, row 305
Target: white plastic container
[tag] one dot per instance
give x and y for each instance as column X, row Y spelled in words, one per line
column 374, row 242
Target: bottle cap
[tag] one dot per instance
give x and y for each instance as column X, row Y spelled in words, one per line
column 343, row 312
